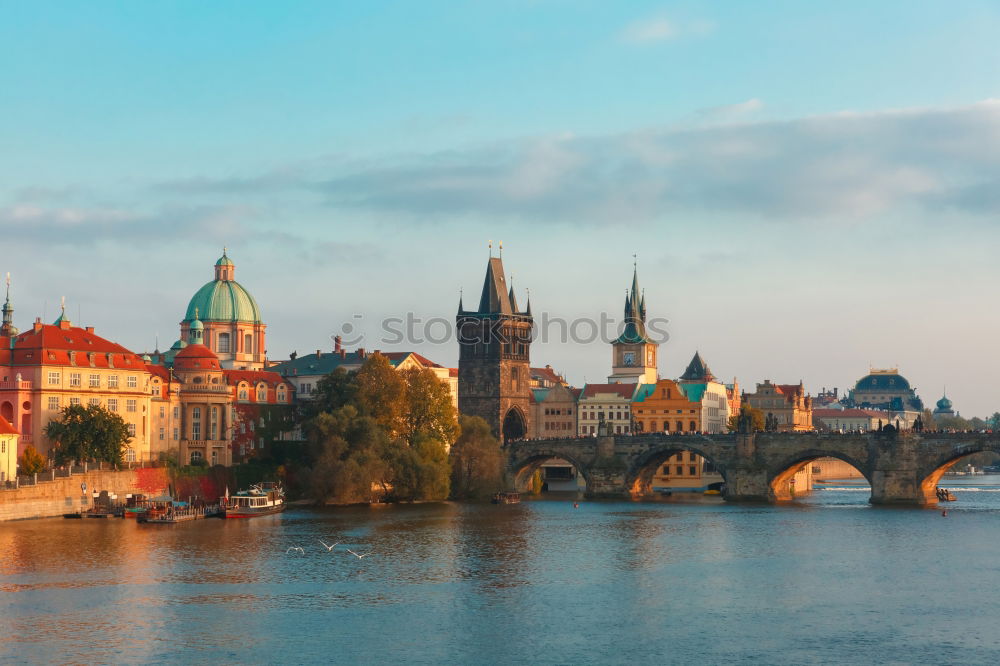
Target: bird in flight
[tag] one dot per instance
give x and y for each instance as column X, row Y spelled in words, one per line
column 328, row 548
column 295, row 549
column 360, row 557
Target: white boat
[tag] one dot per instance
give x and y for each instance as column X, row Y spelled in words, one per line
column 260, row 500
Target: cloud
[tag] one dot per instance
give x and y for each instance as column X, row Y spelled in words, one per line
column 655, row 29
column 730, row 112
column 846, row 165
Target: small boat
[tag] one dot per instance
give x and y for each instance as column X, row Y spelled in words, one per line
column 944, row 495
column 507, row 498
column 260, row 500
column 180, row 512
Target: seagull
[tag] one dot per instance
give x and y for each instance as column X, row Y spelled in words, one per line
column 297, row 549
column 360, row 557
column 328, row 548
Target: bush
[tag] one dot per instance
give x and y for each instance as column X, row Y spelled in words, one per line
column 31, row 461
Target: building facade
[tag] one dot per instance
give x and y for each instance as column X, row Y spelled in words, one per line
column 607, row 404
column 787, row 403
column 665, row 407
column 52, row 366
column 494, row 362
column 8, row 451
column 555, row 411
column 701, row 386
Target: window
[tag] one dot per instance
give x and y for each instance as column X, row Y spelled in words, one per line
column 281, row 394
column 113, row 404
column 131, row 382
column 73, row 402
column 261, row 393
column 679, row 470
column 94, row 402
column 155, row 388
column 129, row 455
column 223, row 343
column 74, row 379
column 163, row 411
column 243, row 392
column 53, row 402
column 113, row 381
column 177, row 414
column 54, row 378
column 163, row 432
column 130, row 405
column 176, row 433
column 215, row 457
column 131, row 430
column 94, row 381
column 195, row 456
column 248, row 343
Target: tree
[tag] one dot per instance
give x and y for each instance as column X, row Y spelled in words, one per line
column 756, row 419
column 930, row 423
column 429, row 409
column 476, row 460
column 31, row 461
column 348, row 457
column 994, row 421
column 88, row 433
column 381, row 394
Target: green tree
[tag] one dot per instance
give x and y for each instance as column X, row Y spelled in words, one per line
column 348, row 457
column 930, row 423
column 994, row 421
column 381, row 394
column 756, row 419
column 429, row 409
column 88, row 433
column 476, row 460
column 31, row 461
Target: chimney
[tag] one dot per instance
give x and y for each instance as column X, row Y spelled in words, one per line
column 361, row 352
column 343, row 353
column 319, row 353
column 293, row 355
column 90, row 329
column 38, row 324
column 337, row 344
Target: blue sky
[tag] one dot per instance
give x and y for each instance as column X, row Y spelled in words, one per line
column 810, row 187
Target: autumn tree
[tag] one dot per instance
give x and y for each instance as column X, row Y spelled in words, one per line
column 429, row 410
column 756, row 419
column 31, row 461
column 381, row 394
column 88, row 433
column 476, row 460
column 348, row 452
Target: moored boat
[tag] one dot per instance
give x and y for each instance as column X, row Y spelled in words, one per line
column 507, row 498
column 260, row 500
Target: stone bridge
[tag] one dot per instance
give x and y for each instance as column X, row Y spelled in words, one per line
column 902, row 467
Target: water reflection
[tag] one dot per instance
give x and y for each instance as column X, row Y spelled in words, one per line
column 827, row 579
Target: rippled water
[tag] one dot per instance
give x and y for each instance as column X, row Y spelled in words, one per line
column 827, row 580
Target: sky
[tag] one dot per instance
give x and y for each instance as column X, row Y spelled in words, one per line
column 810, row 189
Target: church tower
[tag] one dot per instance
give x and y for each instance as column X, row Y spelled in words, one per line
column 633, row 355
column 494, row 373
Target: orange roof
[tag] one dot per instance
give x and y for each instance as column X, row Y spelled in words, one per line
column 547, row 374
column 161, row 371
column 6, row 428
column 196, row 357
column 47, row 344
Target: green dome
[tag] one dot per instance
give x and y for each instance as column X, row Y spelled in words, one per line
column 224, row 260
column 944, row 403
column 223, row 300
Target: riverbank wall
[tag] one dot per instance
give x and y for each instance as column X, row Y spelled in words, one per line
column 51, row 497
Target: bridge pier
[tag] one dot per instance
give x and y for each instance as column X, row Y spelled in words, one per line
column 748, row 483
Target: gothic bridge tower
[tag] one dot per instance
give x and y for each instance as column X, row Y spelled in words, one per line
column 494, row 371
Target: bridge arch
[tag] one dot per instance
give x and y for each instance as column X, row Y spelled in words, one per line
column 782, row 474
column 639, row 477
column 522, row 469
column 930, row 474
column 515, row 425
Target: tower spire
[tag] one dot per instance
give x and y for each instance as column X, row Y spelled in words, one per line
column 8, row 315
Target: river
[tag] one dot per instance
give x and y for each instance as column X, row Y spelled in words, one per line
column 828, row 579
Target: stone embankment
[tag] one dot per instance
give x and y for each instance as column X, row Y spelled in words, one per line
column 52, row 495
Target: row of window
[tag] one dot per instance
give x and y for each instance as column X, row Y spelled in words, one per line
column 130, row 404
column 598, row 416
column 558, row 426
column 592, row 430
column 679, row 426
column 679, row 470
column 558, row 411
column 93, row 380
column 666, row 411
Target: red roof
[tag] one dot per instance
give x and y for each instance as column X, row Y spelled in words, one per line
column 6, row 428
column 253, row 377
column 47, row 344
column 196, row 357
column 161, row 371
column 624, row 390
column 453, row 372
column 547, row 374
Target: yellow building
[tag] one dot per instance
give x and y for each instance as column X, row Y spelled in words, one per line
column 665, row 407
column 8, row 451
column 52, row 366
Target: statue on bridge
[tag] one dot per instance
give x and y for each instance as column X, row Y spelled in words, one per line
column 771, row 423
